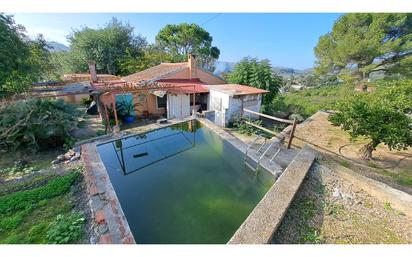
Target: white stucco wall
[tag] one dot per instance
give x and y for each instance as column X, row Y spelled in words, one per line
column 228, row 107
column 178, row 106
column 219, row 102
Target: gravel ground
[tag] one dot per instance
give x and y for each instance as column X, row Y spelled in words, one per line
column 329, row 209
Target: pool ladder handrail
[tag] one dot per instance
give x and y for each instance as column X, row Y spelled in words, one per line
column 279, row 142
column 249, row 147
column 263, row 155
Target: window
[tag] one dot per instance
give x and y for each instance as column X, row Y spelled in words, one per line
column 161, row 101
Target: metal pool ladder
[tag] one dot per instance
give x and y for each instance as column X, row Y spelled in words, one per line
column 262, row 153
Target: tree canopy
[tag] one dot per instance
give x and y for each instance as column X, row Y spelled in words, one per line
column 107, row 46
column 181, row 39
column 381, row 117
column 362, row 43
column 255, row 73
column 22, row 61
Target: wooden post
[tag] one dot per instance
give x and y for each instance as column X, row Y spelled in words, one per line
column 194, row 101
column 106, row 114
column 114, row 109
column 292, row 133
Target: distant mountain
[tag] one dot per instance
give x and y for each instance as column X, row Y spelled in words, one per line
column 225, row 67
column 289, row 72
column 57, row 47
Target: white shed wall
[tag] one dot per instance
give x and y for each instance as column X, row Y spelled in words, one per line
column 227, row 108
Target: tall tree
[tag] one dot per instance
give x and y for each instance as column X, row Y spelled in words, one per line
column 22, row 61
column 181, row 39
column 255, row 73
column 106, row 46
column 151, row 56
column 360, row 44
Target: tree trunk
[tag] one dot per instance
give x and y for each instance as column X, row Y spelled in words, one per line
column 366, row 150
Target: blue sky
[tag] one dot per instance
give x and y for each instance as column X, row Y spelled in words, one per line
column 285, row 39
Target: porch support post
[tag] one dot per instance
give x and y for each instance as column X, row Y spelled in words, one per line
column 114, row 109
column 194, row 101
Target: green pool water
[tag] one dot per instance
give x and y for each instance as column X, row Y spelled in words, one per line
column 182, row 184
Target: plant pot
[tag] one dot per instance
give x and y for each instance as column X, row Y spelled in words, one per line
column 128, row 119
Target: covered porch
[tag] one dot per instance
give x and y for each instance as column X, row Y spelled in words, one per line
column 126, row 104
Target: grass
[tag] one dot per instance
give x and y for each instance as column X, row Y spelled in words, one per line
column 403, row 177
column 27, row 216
column 307, row 210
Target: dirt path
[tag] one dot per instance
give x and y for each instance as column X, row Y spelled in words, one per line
column 329, row 209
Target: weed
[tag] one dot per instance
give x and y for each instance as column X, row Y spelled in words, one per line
column 345, row 163
column 66, row 229
column 333, row 209
column 319, row 188
column 100, row 132
column 387, row 206
column 307, row 207
column 311, row 235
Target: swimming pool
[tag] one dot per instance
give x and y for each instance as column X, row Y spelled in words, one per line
column 182, row 184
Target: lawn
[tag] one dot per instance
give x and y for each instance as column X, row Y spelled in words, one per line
column 41, row 210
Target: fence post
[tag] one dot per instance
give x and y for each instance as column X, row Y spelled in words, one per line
column 292, row 133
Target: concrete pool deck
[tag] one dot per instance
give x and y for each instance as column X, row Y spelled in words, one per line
column 265, row 218
column 110, row 224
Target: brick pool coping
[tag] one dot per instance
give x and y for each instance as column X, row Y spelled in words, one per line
column 110, row 224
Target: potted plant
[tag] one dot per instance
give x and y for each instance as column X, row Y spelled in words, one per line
column 125, row 109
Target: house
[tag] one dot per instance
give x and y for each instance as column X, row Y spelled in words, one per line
column 177, row 90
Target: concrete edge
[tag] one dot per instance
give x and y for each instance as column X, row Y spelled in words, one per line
column 398, row 199
column 265, row 218
column 110, row 222
column 234, row 141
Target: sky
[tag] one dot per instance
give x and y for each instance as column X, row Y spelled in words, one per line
column 287, row 40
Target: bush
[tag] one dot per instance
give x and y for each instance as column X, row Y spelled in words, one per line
column 86, row 101
column 66, row 229
column 37, row 123
column 243, row 128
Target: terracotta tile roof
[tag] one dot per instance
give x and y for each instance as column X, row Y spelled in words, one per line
column 236, row 89
column 156, row 72
column 185, row 85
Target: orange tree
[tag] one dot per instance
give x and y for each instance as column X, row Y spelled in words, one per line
column 381, row 117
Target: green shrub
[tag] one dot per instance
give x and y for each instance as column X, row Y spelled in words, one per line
column 244, row 128
column 36, row 123
column 86, row 101
column 66, row 229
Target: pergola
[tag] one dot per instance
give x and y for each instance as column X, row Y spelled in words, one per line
column 107, row 90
